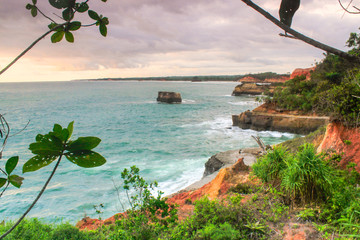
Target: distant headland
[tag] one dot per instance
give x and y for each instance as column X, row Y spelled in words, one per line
column 262, row 77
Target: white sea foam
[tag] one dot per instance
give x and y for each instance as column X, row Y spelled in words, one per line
column 244, row 103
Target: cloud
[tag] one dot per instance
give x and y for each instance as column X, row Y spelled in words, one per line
column 178, row 37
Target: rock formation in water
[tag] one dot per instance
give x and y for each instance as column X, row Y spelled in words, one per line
column 169, row 97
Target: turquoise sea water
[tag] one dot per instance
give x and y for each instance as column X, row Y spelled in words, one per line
column 169, row 143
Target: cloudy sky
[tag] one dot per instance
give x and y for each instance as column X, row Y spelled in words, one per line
column 169, row 38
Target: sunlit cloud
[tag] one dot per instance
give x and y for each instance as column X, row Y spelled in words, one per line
column 178, row 37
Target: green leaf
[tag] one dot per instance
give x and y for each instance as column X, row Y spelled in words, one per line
column 57, row 128
column 2, row 182
column 28, row 6
column 57, row 37
column 37, row 162
column 73, row 26
column 65, row 132
column 59, row 4
column 52, row 25
column 93, row 15
column 33, row 11
column 34, row 1
column 83, row 7
column 86, row 159
column 11, row 164
column 70, row 38
column 103, row 29
column 68, row 14
column 83, row 143
column 70, row 128
column 16, row 180
column 46, row 147
column 105, row 20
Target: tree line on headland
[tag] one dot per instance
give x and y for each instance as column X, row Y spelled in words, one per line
column 225, row 78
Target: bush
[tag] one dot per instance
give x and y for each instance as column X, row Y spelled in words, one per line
column 270, row 166
column 307, row 178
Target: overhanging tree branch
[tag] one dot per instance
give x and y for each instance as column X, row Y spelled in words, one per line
column 300, row 36
column 31, row 46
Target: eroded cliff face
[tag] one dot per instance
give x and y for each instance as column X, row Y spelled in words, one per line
column 302, row 72
column 265, row 118
column 344, row 141
column 252, row 89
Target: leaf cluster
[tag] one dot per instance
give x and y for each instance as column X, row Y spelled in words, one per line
column 69, row 9
column 57, row 143
column 14, row 179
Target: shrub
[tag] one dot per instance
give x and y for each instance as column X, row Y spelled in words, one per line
column 270, row 166
column 307, row 177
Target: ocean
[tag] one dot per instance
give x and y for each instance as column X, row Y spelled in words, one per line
column 170, row 143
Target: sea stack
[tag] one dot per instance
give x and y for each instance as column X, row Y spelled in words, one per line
column 169, row 97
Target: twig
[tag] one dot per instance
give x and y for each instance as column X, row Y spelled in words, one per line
column 288, row 36
column 346, row 8
column 118, row 194
column 36, row 199
column 31, row 46
column 21, row 129
column 7, row 185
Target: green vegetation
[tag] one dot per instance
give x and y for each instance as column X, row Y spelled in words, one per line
column 316, row 182
column 230, row 78
column 334, row 89
column 304, row 185
column 47, row 148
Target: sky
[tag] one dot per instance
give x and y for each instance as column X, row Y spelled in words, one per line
column 149, row 38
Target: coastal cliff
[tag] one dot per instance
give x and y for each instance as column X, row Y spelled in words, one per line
column 253, row 89
column 264, row 118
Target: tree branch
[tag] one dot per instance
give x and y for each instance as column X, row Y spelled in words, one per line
column 300, row 36
column 36, row 199
column 346, row 8
column 30, row 47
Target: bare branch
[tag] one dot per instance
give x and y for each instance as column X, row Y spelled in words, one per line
column 36, row 199
column 45, row 16
column 31, row 46
column 346, row 8
column 21, row 129
column 300, row 36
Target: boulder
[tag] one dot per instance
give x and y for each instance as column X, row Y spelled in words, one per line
column 169, row 97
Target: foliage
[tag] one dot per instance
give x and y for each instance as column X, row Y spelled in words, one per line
column 270, row 166
column 307, row 177
column 35, row 229
column 148, row 216
column 69, row 9
column 50, row 147
column 334, row 88
column 316, row 180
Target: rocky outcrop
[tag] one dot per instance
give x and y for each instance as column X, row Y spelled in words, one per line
column 250, row 79
column 169, row 97
column 278, row 121
column 276, row 80
column 344, row 141
column 302, row 72
column 253, row 89
column 225, row 159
